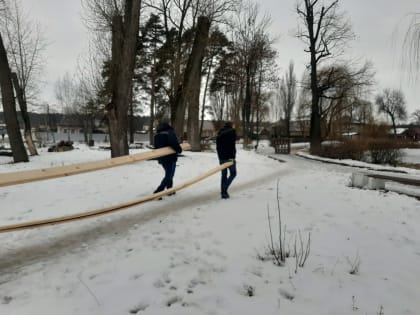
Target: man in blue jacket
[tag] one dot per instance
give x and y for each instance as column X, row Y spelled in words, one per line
column 166, row 137
column 226, row 151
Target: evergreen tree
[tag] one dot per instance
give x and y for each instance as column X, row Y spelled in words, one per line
column 150, row 72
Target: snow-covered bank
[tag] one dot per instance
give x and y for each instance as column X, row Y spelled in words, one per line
column 411, row 156
column 194, row 253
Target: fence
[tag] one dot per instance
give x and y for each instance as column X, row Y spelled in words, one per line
column 281, row 145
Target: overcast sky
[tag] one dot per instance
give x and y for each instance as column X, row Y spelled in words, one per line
column 378, row 25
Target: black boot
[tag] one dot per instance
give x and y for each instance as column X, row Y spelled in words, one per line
column 225, row 195
column 156, row 191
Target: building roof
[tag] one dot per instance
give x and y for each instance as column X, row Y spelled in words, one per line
column 70, row 121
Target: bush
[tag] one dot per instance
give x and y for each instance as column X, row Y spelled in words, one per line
column 277, row 251
column 346, row 149
column 385, row 152
column 373, row 150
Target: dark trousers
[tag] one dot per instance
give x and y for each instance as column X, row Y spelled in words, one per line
column 227, row 180
column 167, row 181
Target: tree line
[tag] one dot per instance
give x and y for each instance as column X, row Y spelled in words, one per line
column 187, row 59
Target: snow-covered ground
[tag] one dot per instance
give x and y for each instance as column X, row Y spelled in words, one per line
column 411, row 156
column 194, row 253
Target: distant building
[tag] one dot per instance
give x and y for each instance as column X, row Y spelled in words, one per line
column 411, row 133
column 350, row 135
column 70, row 124
column 298, row 128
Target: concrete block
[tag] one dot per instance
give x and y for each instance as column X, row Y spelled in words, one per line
column 375, row 183
column 359, row 180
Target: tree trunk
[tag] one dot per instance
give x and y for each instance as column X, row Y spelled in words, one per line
column 124, row 40
column 24, row 111
column 189, row 95
column 246, row 111
column 131, row 122
column 394, row 125
column 203, row 109
column 258, row 112
column 152, row 104
column 315, row 129
column 91, row 127
column 85, row 123
column 9, row 108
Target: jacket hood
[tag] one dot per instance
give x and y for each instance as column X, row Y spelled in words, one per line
column 225, row 130
column 163, row 127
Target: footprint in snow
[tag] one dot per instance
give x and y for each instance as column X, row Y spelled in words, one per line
column 139, row 308
column 6, row 299
column 159, row 284
column 256, row 271
column 194, row 282
column 287, row 295
column 173, row 300
column 136, row 276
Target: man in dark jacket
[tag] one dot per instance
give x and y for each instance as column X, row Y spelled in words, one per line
column 165, row 137
column 226, row 151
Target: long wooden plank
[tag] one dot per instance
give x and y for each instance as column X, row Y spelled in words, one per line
column 21, row 177
column 90, row 214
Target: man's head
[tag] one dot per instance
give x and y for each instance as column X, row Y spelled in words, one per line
column 165, row 120
column 228, row 124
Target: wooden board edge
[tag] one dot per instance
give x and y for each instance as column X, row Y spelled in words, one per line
column 22, row 177
column 115, row 208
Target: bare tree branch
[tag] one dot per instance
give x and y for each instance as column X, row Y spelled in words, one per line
column 97, row 14
column 325, row 32
column 392, row 103
column 25, row 45
column 411, row 44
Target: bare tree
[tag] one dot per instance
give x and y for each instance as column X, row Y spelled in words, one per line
column 275, row 110
column 391, row 102
column 188, row 96
column 343, row 86
column 325, row 31
column 303, row 114
column 65, row 93
column 181, row 20
column 411, row 43
column 217, row 11
column 288, row 95
column 253, row 48
column 9, row 108
column 416, row 117
column 25, row 45
column 265, row 79
column 79, row 96
column 90, row 84
column 121, row 19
